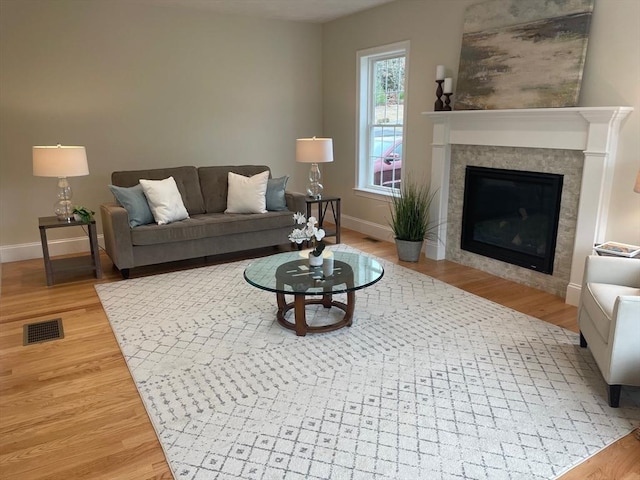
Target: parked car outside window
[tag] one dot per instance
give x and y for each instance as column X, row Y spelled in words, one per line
column 387, row 161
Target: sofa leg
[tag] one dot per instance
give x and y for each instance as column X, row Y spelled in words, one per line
column 614, row 395
column 583, row 341
column 125, row 273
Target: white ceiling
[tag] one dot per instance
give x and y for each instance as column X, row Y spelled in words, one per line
column 316, row 11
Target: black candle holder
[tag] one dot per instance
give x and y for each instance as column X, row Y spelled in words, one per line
column 439, row 106
column 447, row 102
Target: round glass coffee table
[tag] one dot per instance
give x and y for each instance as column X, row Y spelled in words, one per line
column 289, row 274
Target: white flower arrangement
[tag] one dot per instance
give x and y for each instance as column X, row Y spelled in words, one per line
column 309, row 233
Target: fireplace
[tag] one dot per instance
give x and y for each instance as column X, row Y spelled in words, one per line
column 512, row 216
column 589, row 132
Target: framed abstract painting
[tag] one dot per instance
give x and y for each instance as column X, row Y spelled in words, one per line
column 523, row 54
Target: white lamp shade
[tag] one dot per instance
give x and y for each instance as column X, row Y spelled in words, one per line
column 60, row 161
column 314, row 150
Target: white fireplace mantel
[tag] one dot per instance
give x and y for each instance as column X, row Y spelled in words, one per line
column 593, row 130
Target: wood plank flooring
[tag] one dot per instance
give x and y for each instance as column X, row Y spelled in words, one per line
column 69, row 408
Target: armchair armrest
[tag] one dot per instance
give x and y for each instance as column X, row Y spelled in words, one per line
column 117, row 235
column 613, row 270
column 624, row 340
column 296, row 201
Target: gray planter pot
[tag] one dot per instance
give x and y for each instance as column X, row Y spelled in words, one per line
column 409, row 251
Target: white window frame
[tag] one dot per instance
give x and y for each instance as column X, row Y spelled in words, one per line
column 365, row 114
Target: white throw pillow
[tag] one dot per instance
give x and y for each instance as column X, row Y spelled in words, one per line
column 247, row 194
column 164, row 200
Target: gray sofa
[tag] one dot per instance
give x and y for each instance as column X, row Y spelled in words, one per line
column 207, row 231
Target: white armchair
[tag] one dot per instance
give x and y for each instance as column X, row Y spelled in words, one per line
column 609, row 320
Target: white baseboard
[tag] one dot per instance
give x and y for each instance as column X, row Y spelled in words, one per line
column 27, row 251
column 573, row 294
column 371, row 229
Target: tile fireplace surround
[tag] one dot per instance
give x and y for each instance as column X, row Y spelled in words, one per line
column 593, row 131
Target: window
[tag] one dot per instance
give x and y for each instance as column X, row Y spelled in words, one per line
column 382, row 92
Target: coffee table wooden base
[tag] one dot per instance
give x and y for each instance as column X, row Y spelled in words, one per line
column 300, row 301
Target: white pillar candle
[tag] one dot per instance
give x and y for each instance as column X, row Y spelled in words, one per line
column 448, row 85
column 440, row 72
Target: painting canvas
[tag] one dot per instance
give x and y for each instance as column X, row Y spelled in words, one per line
column 523, row 54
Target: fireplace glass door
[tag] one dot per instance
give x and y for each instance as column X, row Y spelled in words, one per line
column 512, row 216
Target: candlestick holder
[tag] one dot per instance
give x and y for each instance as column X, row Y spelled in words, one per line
column 438, row 106
column 447, row 102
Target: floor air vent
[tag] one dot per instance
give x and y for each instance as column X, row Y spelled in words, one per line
column 43, row 331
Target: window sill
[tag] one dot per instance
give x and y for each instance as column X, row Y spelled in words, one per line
column 373, row 194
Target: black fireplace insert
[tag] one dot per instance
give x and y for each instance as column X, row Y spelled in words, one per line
column 512, row 216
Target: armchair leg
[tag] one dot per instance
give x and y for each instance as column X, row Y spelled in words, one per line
column 614, row 395
column 125, row 273
column 583, row 341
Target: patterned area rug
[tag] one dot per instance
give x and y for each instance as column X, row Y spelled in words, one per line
column 430, row 382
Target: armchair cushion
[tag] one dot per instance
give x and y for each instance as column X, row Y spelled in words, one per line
column 600, row 302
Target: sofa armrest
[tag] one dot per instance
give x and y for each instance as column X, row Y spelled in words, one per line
column 296, row 202
column 117, row 235
column 613, row 270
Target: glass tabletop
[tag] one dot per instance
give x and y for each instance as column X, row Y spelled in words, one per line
column 290, row 273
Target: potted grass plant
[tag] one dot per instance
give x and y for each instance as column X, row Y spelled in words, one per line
column 410, row 220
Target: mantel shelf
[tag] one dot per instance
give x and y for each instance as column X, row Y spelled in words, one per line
column 532, row 112
column 572, row 128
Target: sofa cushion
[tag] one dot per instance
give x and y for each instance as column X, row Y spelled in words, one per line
column 213, row 183
column 211, row 225
column 276, row 200
column 186, row 179
column 600, row 300
column 247, row 194
column 164, row 200
column 135, row 203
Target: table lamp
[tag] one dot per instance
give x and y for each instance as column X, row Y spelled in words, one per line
column 314, row 151
column 62, row 162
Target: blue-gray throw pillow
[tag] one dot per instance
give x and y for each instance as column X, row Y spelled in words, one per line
column 135, row 203
column 276, row 200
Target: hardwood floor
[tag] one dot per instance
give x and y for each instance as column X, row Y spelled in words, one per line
column 69, row 408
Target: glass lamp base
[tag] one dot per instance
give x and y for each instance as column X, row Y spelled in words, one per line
column 63, row 207
column 314, row 189
column 315, row 196
column 64, row 211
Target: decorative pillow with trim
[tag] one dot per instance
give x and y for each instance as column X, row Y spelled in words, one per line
column 276, row 201
column 135, row 203
column 164, row 200
column 247, row 194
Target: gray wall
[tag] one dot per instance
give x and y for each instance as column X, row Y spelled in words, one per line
column 146, row 86
column 434, row 28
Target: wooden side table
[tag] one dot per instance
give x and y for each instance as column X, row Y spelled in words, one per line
column 323, row 204
column 72, row 264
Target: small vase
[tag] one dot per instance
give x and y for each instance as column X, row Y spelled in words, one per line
column 327, row 266
column 315, row 261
